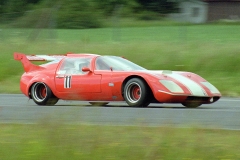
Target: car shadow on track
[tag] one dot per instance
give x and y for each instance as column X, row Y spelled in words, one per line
column 117, row 106
column 160, row 106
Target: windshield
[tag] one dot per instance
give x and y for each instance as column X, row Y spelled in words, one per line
column 116, row 63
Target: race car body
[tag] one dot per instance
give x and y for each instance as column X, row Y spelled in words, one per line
column 103, row 79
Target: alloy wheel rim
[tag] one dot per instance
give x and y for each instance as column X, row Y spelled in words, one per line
column 39, row 91
column 133, row 92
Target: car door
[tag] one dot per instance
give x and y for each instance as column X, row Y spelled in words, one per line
column 71, row 79
column 111, row 81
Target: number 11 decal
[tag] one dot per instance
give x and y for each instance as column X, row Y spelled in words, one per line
column 67, row 82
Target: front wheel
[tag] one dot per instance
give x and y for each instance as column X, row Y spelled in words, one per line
column 42, row 94
column 137, row 93
column 191, row 104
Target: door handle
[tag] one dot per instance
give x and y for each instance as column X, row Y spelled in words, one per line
column 60, row 76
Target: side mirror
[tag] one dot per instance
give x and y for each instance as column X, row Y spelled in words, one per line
column 86, row 69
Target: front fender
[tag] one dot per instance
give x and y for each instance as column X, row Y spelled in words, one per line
column 150, row 80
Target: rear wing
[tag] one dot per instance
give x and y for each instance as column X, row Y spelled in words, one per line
column 28, row 66
column 18, row 56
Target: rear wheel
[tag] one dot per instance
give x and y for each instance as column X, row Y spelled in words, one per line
column 136, row 93
column 42, row 94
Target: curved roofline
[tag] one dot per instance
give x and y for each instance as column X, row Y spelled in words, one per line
column 81, row 54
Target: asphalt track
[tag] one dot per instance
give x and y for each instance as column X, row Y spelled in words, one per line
column 224, row 114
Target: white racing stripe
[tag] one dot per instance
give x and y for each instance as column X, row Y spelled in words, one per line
column 193, row 87
column 44, row 57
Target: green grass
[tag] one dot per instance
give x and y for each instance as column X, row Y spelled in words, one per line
column 52, row 140
column 211, row 51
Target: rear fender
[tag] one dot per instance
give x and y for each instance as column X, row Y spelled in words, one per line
column 42, row 78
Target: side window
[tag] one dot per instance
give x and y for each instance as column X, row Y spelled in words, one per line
column 65, row 66
column 101, row 65
column 74, row 66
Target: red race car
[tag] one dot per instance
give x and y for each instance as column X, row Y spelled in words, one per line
column 102, row 79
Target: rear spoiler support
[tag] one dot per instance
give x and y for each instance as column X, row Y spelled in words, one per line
column 27, row 65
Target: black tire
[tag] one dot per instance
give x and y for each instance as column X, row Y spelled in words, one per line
column 191, row 104
column 137, row 93
column 98, row 103
column 42, row 94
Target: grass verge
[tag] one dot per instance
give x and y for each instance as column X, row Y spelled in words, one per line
column 58, row 141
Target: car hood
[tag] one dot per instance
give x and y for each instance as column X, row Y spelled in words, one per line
column 190, row 80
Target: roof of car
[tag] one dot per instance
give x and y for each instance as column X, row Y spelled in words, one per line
column 80, row 54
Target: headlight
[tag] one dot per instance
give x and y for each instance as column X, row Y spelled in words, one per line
column 210, row 87
column 171, row 86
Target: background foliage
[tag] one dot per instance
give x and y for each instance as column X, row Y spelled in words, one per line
column 78, row 13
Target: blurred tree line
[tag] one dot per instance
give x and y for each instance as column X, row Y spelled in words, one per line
column 79, row 13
